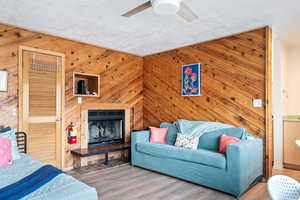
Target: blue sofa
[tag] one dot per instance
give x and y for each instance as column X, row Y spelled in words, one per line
column 232, row 173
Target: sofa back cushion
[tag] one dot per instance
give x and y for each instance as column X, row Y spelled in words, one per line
column 5, row 152
column 198, row 128
column 210, row 140
column 172, row 132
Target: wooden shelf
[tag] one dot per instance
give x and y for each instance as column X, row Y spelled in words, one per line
column 91, row 85
column 85, row 95
column 101, row 149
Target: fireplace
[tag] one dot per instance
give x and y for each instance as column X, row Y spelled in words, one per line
column 105, row 127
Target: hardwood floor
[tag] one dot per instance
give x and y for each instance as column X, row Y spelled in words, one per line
column 288, row 172
column 132, row 183
column 259, row 192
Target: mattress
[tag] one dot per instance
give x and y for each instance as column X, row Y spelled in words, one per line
column 62, row 187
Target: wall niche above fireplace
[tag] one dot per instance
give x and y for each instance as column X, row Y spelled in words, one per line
column 86, row 85
column 106, row 127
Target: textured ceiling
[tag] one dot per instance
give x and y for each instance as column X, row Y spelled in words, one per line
column 98, row 21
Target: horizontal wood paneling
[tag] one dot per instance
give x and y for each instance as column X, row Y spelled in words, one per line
column 121, row 76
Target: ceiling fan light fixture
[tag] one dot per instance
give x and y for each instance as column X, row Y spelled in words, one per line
column 166, row 7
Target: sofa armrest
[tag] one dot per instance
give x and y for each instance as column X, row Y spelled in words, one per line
column 140, row 136
column 245, row 161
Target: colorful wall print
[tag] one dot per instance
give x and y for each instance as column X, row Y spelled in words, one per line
column 191, row 80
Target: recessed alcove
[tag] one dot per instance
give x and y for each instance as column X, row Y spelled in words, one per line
column 86, row 85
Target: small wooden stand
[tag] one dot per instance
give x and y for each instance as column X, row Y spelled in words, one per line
column 103, row 150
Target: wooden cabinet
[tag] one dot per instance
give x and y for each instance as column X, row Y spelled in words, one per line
column 291, row 152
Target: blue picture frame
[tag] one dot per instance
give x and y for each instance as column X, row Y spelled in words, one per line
column 191, row 80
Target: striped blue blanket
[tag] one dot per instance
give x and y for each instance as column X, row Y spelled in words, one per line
column 29, row 183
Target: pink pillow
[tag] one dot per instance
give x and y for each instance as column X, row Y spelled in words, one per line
column 5, row 152
column 224, row 140
column 158, row 135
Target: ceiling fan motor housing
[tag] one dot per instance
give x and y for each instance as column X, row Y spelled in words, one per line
column 166, row 7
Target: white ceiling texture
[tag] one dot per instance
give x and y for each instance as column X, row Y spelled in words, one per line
column 99, row 22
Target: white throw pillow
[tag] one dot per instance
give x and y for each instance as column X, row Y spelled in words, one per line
column 187, row 141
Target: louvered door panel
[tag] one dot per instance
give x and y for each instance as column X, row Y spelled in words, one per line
column 42, row 143
column 42, row 93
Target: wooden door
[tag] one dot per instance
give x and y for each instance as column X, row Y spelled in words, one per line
column 41, row 97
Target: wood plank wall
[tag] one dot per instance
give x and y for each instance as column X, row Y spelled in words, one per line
column 233, row 74
column 121, row 75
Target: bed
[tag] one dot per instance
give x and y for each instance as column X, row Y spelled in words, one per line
column 62, row 187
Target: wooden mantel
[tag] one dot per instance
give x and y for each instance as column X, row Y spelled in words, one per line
column 84, row 123
column 105, row 106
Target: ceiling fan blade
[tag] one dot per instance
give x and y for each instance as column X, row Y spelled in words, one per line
column 138, row 9
column 186, row 13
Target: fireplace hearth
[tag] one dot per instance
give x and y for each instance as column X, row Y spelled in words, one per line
column 105, row 127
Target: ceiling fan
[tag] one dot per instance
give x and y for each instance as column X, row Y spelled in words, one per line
column 165, row 7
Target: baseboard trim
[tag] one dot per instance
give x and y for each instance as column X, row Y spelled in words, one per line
column 278, row 166
column 291, row 166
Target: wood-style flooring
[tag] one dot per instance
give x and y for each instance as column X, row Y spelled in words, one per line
column 132, row 183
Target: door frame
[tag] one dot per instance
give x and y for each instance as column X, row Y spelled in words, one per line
column 268, row 104
column 62, row 94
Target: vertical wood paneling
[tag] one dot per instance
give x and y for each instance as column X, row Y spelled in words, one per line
column 234, row 72
column 121, row 76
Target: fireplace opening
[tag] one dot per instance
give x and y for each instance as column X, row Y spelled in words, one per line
column 106, row 127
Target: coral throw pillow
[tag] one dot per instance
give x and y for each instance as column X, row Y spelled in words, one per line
column 5, row 152
column 158, row 135
column 225, row 140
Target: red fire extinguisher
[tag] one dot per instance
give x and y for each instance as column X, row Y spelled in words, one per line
column 72, row 139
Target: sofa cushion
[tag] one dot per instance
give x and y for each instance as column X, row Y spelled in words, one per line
column 210, row 140
column 172, row 132
column 200, row 156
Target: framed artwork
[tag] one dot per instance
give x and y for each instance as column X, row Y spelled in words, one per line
column 3, row 80
column 191, row 80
